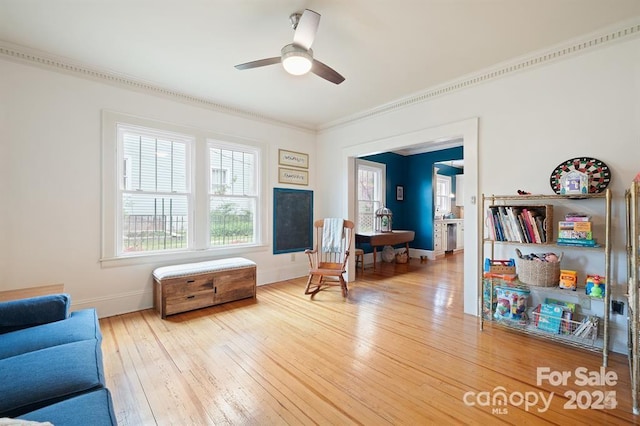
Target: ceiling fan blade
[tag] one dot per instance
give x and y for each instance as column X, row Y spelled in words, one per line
column 326, row 72
column 258, row 63
column 306, row 29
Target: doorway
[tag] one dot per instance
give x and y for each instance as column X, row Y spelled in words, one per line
column 467, row 131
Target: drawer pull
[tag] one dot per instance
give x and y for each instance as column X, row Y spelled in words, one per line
column 191, row 281
column 191, row 297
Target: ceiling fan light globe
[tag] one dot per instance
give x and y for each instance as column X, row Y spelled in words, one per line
column 296, row 60
column 296, row 65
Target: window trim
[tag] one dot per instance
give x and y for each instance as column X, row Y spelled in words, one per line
column 199, row 181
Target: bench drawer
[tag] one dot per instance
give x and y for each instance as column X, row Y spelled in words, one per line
column 187, row 285
column 176, row 305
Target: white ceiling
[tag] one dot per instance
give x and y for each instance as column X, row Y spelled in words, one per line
column 387, row 50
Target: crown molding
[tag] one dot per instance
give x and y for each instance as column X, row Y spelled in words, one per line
column 584, row 44
column 23, row 54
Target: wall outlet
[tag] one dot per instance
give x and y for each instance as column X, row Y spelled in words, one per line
column 617, row 307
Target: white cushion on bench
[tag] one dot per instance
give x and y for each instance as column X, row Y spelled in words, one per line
column 198, row 268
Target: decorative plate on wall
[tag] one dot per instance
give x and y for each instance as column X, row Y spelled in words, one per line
column 599, row 173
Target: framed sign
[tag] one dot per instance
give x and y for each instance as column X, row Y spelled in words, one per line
column 293, row 159
column 296, row 177
column 399, row 193
column 292, row 220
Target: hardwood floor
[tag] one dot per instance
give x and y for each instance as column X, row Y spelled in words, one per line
column 399, row 350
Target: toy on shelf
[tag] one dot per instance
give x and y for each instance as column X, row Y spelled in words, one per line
column 511, row 304
column 568, row 279
column 595, row 286
column 539, row 269
column 503, row 269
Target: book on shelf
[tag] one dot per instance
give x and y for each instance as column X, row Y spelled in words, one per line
column 577, row 217
column 520, row 224
column 516, row 228
column 526, row 226
column 574, row 226
column 491, row 226
column 531, row 216
column 575, row 235
column 540, row 225
column 550, row 318
column 569, row 309
column 577, row 242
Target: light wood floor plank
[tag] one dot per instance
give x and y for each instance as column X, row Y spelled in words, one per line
column 399, row 350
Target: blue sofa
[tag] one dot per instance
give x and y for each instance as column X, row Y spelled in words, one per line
column 51, row 363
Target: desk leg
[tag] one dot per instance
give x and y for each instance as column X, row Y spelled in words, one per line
column 374, row 258
column 407, row 244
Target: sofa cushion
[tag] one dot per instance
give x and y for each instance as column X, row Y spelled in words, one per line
column 23, row 313
column 94, row 408
column 39, row 378
column 81, row 325
column 6, row 421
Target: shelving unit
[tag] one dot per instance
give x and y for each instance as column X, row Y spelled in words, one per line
column 632, row 199
column 601, row 344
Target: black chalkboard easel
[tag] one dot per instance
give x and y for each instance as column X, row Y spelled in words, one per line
column 292, row 220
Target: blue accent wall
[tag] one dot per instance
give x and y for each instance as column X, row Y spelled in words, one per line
column 415, row 173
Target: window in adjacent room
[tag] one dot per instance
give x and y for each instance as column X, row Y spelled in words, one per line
column 370, row 193
column 443, row 195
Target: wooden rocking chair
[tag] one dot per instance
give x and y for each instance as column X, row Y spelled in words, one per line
column 327, row 262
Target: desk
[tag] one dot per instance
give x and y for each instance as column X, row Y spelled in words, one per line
column 385, row 239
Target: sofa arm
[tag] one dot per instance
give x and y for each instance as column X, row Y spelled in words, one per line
column 24, row 313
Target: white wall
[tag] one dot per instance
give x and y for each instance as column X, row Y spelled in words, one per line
column 529, row 122
column 50, row 173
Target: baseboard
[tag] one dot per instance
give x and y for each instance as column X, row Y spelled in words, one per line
column 420, row 253
column 108, row 306
column 117, row 304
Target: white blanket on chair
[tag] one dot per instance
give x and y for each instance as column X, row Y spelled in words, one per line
column 332, row 235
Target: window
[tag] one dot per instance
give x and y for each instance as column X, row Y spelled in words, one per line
column 155, row 197
column 443, row 195
column 170, row 189
column 233, row 198
column 370, row 193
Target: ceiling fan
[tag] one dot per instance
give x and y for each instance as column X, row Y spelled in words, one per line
column 297, row 57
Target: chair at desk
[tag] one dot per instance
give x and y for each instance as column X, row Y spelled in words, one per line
column 327, row 262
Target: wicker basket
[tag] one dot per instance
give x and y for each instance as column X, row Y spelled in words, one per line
column 539, row 274
column 402, row 257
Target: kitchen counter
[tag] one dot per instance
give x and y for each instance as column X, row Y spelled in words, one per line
column 443, row 239
column 457, row 220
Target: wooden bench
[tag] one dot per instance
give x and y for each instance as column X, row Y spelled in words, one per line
column 185, row 287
